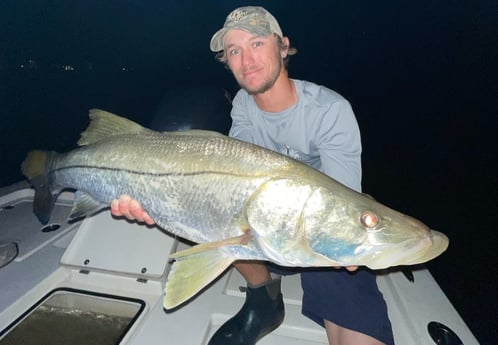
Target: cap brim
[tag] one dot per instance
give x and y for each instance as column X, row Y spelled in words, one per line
column 216, row 43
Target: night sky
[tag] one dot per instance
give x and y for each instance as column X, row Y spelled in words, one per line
column 422, row 77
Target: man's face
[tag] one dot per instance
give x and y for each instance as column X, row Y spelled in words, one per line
column 255, row 61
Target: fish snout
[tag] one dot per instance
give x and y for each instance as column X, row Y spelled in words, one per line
column 427, row 248
column 416, row 225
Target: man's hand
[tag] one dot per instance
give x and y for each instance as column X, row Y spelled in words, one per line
column 130, row 209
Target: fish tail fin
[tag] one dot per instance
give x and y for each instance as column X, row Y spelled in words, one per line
column 34, row 168
column 190, row 274
column 34, row 164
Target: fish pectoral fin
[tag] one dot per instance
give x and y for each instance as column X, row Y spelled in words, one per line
column 84, row 205
column 199, row 248
column 192, row 272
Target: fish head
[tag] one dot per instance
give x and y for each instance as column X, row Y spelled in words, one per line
column 354, row 229
column 327, row 224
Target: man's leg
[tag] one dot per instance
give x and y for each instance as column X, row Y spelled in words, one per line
column 338, row 335
column 262, row 312
column 254, row 272
column 352, row 304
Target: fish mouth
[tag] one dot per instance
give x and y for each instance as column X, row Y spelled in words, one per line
column 438, row 243
column 409, row 252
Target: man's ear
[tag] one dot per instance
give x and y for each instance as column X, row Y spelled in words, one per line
column 286, row 43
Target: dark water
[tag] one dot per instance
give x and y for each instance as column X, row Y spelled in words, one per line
column 63, row 326
column 422, row 77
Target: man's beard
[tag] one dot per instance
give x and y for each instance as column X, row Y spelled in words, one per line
column 267, row 85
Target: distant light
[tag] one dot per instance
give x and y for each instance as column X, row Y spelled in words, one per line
column 30, row 64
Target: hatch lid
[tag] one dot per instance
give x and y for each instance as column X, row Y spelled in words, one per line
column 109, row 244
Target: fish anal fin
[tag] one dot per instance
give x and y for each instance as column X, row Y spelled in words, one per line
column 191, row 273
column 84, row 205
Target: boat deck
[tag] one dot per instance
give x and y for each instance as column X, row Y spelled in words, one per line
column 109, row 257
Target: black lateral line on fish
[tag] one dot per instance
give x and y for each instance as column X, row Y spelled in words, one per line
column 146, row 173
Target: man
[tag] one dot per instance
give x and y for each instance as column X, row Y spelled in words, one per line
column 310, row 123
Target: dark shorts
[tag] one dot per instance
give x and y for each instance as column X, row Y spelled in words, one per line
column 349, row 299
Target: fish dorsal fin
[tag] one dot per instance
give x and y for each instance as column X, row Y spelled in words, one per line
column 84, row 205
column 104, row 124
column 198, row 133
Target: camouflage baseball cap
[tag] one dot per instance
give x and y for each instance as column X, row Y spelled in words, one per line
column 253, row 19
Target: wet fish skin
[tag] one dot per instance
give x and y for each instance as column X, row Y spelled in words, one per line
column 237, row 200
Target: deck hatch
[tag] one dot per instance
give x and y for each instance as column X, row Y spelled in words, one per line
column 74, row 317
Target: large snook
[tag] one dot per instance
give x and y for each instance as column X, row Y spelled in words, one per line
column 237, row 200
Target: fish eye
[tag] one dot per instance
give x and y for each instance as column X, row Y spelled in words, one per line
column 369, row 219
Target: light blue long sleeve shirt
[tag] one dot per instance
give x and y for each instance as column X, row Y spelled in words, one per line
column 320, row 130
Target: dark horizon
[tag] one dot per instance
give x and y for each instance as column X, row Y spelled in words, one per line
column 422, row 78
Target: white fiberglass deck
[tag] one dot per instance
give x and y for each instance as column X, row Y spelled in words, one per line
column 109, row 257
